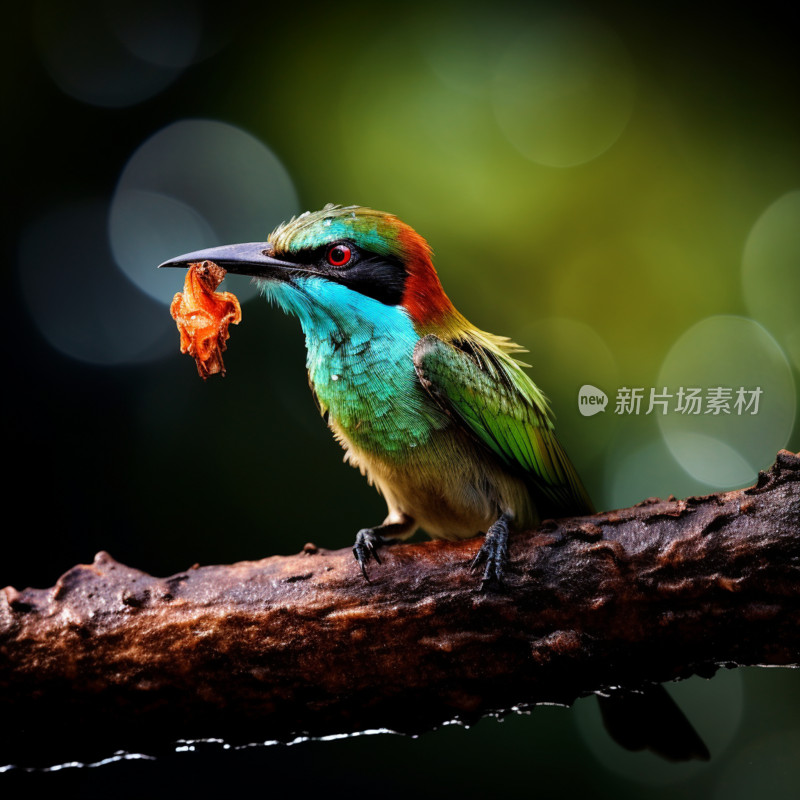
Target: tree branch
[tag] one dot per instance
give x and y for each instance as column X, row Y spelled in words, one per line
column 301, row 645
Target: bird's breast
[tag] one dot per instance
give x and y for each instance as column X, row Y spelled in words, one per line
column 365, row 382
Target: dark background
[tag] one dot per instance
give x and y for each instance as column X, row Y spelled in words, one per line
column 614, row 186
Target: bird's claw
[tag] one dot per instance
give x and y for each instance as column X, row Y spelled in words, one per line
column 366, row 548
column 493, row 558
column 493, row 555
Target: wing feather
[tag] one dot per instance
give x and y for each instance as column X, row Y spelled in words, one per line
column 486, row 391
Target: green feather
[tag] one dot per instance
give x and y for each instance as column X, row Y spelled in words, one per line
column 487, row 392
column 372, row 230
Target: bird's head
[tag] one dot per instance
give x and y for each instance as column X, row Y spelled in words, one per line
column 369, row 252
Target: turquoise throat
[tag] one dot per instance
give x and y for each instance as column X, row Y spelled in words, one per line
column 360, row 365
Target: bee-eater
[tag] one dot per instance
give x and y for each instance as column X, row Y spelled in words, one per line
column 438, row 414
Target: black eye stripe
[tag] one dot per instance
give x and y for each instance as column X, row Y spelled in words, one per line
column 380, row 277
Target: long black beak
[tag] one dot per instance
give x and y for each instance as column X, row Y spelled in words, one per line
column 251, row 258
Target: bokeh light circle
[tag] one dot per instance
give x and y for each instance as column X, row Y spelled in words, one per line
column 713, row 706
column 76, row 297
column 195, row 184
column 165, row 34
column 771, row 272
column 725, row 450
column 116, row 54
column 638, row 467
column 564, row 91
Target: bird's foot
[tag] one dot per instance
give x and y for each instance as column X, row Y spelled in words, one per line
column 368, row 541
column 493, row 553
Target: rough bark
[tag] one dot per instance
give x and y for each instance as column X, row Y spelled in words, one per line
column 302, row 645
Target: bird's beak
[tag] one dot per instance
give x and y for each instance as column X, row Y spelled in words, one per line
column 251, row 258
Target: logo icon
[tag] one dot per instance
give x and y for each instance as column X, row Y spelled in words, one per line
column 591, row 400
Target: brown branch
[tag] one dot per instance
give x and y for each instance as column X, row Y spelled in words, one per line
column 297, row 645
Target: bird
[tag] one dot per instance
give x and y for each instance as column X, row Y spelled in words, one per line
column 441, row 416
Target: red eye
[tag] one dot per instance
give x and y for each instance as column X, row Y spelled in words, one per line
column 339, row 255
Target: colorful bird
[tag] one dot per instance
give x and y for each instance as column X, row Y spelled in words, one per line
column 437, row 413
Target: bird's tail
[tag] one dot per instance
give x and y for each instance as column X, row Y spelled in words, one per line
column 652, row 720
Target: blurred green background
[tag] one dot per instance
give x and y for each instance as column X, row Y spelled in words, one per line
column 615, row 186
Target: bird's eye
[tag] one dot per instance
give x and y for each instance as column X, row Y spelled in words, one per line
column 339, row 255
